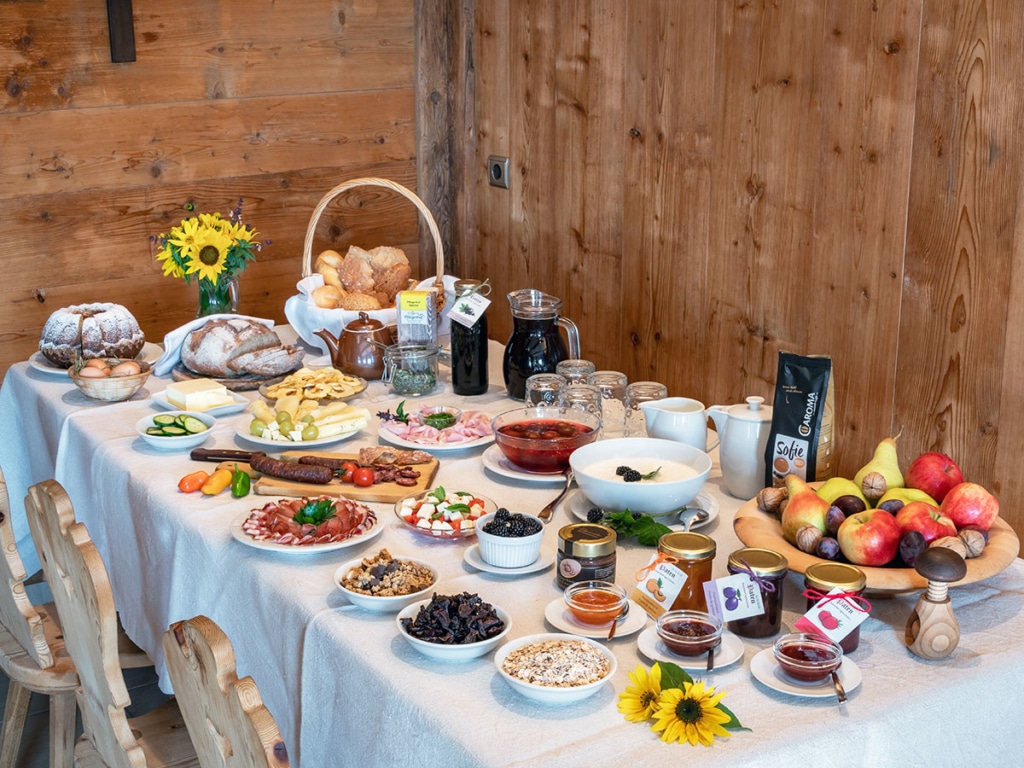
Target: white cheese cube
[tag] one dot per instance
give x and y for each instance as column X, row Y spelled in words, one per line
column 423, row 523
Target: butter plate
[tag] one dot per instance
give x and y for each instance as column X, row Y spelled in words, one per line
column 160, row 400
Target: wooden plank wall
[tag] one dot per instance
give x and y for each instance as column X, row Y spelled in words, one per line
column 271, row 102
column 706, row 184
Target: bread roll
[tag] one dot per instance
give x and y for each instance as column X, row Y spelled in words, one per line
column 328, row 296
column 359, row 301
column 327, row 264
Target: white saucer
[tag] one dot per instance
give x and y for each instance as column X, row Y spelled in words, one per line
column 495, row 461
column 558, row 615
column 150, row 354
column 473, row 559
column 579, row 505
column 728, row 652
column 764, row 667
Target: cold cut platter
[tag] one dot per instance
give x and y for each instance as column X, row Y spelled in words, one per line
column 274, row 527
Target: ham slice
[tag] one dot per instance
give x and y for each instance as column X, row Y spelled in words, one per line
column 472, row 426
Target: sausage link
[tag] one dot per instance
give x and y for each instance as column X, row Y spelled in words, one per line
column 289, row 470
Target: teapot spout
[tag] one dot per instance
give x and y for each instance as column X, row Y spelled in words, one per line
column 330, row 340
column 720, row 415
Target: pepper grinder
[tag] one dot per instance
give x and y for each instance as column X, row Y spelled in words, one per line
column 932, row 629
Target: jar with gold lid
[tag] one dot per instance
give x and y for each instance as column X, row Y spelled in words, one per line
column 824, row 577
column 768, row 569
column 586, row 552
column 693, row 554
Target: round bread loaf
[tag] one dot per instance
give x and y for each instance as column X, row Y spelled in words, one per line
column 233, row 347
column 92, row 330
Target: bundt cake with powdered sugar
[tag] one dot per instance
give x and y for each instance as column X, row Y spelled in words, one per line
column 92, row 330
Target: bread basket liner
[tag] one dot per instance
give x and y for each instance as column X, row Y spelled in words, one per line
column 307, row 318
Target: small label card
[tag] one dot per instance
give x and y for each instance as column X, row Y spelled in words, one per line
column 833, row 617
column 468, row 309
column 734, row 597
column 660, row 586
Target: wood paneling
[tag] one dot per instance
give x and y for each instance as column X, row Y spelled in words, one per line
column 707, row 184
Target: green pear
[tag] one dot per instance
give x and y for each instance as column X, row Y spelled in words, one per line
column 804, row 507
column 882, row 472
column 835, row 487
column 907, row 495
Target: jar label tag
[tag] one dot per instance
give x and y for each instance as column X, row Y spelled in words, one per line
column 835, row 615
column 468, row 309
column 734, row 597
column 660, row 587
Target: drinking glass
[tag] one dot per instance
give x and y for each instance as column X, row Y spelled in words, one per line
column 612, row 386
column 636, row 393
column 575, row 370
column 544, row 388
column 582, row 397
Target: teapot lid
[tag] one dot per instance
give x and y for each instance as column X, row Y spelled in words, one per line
column 752, row 410
column 364, row 323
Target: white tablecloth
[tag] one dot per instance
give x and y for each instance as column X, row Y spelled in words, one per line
column 346, row 689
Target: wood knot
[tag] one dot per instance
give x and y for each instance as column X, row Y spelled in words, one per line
column 39, row 295
column 891, row 47
column 635, row 133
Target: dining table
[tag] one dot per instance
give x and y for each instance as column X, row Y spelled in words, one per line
column 346, row 689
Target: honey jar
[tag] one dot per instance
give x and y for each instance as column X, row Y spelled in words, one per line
column 824, row 577
column 693, row 554
column 586, row 552
column 769, row 570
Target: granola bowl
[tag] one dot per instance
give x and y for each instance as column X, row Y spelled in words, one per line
column 527, row 664
column 385, row 583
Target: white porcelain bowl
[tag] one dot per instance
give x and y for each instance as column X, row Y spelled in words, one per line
column 653, row 497
column 177, row 442
column 453, row 652
column 379, row 602
column 508, row 551
column 548, row 694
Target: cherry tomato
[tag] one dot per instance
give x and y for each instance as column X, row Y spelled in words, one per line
column 363, row 477
column 347, row 470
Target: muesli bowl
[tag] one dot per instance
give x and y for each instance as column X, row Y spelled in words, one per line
column 379, row 566
column 682, row 471
column 526, row 664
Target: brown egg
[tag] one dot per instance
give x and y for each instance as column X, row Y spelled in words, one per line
column 92, row 372
column 127, row 368
column 97, row 363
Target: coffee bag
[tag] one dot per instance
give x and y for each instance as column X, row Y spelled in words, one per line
column 800, row 441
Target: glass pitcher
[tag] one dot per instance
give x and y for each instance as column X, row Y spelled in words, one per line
column 535, row 345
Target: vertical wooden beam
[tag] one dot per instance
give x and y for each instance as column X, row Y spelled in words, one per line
column 444, row 127
column 122, row 30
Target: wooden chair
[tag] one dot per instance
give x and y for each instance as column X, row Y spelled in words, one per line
column 229, row 725
column 81, row 591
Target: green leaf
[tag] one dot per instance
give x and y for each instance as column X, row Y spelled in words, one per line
column 651, row 474
column 673, row 676
column 733, row 724
column 438, row 493
column 460, row 508
column 315, row 512
column 649, row 531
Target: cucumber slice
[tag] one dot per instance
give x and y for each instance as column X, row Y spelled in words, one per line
column 192, row 425
column 159, row 431
column 164, row 419
column 173, row 431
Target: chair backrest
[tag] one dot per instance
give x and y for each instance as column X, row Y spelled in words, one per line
column 81, row 591
column 229, row 725
column 17, row 613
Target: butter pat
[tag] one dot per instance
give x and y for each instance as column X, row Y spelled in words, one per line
column 198, row 395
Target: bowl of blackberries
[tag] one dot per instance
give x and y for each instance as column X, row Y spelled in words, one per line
column 509, row 539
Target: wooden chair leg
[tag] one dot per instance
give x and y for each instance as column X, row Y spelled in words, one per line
column 15, row 714
column 63, row 713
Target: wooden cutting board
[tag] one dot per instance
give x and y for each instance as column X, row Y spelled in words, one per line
column 264, row 485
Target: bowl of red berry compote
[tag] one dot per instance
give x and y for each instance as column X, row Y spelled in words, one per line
column 541, row 439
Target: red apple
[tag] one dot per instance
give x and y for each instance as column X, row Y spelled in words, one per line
column 871, row 537
column 971, row 504
column 934, row 473
column 925, row 519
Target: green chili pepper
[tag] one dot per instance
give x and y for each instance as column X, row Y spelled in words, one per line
column 240, row 483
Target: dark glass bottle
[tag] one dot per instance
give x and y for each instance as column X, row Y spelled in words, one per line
column 469, row 348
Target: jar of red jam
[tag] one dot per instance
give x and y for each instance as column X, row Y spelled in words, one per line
column 824, row 577
column 693, row 554
column 770, row 568
column 586, row 552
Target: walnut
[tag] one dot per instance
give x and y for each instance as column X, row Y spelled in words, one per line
column 874, row 485
column 807, row 539
column 974, row 541
column 769, row 500
column 951, row 542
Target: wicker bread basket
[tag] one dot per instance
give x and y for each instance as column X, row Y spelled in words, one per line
column 305, row 316
column 112, row 389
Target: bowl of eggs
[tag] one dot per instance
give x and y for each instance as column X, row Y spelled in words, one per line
column 109, row 378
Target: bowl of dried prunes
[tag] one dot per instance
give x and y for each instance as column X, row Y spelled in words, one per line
column 453, row 627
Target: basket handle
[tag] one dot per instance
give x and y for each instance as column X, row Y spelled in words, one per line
column 307, row 248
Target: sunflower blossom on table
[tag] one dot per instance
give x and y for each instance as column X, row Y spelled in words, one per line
column 640, row 700
column 690, row 714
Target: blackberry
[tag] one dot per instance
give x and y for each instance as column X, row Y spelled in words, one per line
column 632, row 476
column 532, row 526
column 502, row 514
column 637, row 515
column 518, row 527
column 622, row 470
column 594, row 515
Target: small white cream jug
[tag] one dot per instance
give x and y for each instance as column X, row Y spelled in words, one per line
column 682, row 419
column 743, row 431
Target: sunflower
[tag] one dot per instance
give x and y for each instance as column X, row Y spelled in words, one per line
column 169, row 263
column 690, row 713
column 184, row 237
column 640, row 700
column 209, row 255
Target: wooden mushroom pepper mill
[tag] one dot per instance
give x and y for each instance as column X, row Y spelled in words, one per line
column 932, row 629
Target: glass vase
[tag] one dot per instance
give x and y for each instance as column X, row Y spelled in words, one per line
column 218, row 297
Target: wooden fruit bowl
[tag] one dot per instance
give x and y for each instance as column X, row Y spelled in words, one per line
column 758, row 529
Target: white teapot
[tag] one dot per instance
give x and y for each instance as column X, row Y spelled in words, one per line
column 743, row 431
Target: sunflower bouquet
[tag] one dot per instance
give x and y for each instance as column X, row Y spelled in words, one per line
column 682, row 710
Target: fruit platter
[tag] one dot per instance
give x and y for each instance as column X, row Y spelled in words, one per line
column 880, row 520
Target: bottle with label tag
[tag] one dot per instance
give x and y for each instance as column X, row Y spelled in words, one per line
column 469, row 337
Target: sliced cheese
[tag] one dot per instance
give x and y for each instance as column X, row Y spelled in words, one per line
column 198, row 395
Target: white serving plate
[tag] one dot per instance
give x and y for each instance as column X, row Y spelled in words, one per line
column 767, row 671
column 729, row 651
column 401, row 442
column 288, row 445
column 558, row 615
column 160, row 400
column 472, row 558
column 495, row 461
column 579, row 505
column 310, row 549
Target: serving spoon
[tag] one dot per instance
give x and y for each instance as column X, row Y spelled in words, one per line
column 618, row 620
column 546, row 513
column 840, row 691
column 691, row 515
